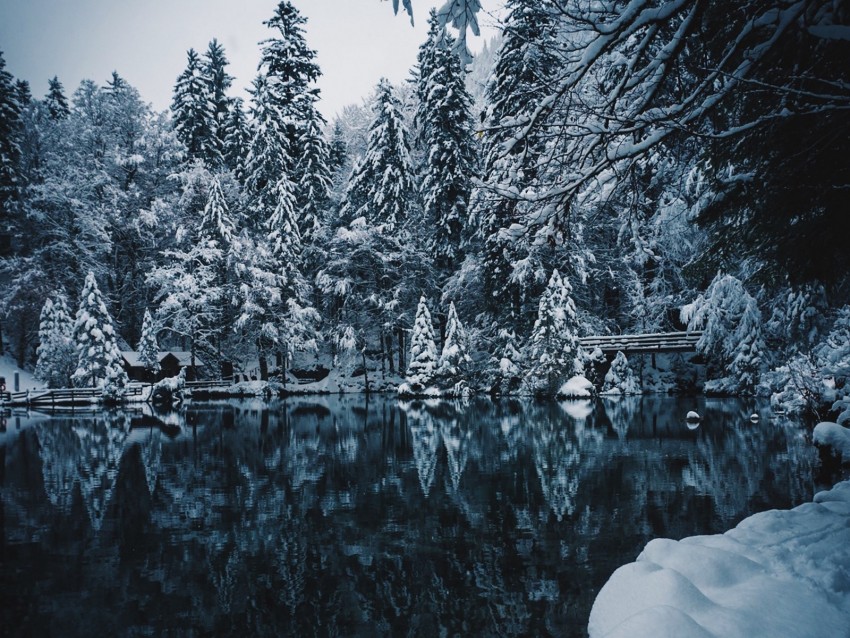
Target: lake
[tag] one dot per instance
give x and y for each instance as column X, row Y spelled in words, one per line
column 338, row 516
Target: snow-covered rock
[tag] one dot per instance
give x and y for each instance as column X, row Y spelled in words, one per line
column 833, row 436
column 778, row 573
column 578, row 387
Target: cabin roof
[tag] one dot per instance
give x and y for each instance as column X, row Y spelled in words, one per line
column 184, row 358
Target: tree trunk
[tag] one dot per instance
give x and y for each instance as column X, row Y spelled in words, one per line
column 365, row 370
column 390, row 351
column 264, row 364
column 383, row 356
column 401, row 366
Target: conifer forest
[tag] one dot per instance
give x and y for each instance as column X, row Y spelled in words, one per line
column 600, row 168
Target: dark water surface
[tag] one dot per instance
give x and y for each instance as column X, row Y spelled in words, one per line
column 337, row 517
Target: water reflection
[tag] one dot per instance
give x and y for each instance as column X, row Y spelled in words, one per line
column 341, row 516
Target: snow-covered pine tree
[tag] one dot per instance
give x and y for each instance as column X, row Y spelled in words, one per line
column 216, row 223
column 423, row 351
column 98, row 357
column 55, row 100
column 236, row 138
column 214, row 67
column 381, row 186
column 10, row 147
column 554, row 352
column 338, row 149
column 446, row 130
column 194, row 113
column 313, row 175
column 148, row 345
column 56, row 352
column 731, row 323
column 284, row 239
column 621, row 379
column 454, row 362
column 524, row 66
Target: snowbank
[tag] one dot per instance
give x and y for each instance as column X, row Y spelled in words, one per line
column 8, row 367
column 836, row 437
column 578, row 387
column 779, row 573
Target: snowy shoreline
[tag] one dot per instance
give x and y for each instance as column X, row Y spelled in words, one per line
column 778, row 573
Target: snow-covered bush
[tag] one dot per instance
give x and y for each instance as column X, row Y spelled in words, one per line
column 577, row 387
column 593, row 366
column 621, row 379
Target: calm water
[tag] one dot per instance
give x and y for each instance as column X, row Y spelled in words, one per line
column 338, row 517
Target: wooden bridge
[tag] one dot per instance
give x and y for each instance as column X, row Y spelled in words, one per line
column 644, row 344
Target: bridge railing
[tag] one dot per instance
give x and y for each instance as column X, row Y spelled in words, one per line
column 649, row 343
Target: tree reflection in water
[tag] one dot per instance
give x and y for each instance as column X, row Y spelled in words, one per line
column 347, row 517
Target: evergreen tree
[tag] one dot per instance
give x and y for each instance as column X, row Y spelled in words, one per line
column 426, row 62
column 10, row 148
column 621, row 379
column 216, row 224
column 219, row 81
column 446, row 129
column 423, row 350
column 194, row 113
column 313, row 172
column 55, row 100
column 98, row 357
column 236, row 139
column 382, row 185
column 454, row 362
column 554, row 351
column 338, row 150
column 24, row 93
column 524, row 66
column 56, row 351
column 284, row 238
column 148, row 347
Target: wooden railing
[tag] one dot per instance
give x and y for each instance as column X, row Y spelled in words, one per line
column 644, row 344
column 63, row 396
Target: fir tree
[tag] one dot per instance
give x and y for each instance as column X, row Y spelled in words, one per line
column 621, row 379
column 284, row 239
column 98, row 357
column 313, row 173
column 423, row 350
column 454, row 360
column 148, row 347
column 194, row 113
column 219, row 81
column 338, row 150
column 56, row 351
column 446, row 129
column 381, row 186
column 10, row 148
column 236, row 139
column 216, row 224
column 24, row 93
column 554, row 351
column 55, row 100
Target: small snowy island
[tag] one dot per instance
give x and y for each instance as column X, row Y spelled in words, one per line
column 778, row 573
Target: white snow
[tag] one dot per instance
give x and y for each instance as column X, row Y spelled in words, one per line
column 8, row 367
column 835, row 436
column 778, row 573
column 578, row 387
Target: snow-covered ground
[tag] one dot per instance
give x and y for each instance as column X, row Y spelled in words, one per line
column 778, row 573
column 8, row 367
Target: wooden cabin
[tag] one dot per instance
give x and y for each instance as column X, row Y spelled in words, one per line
column 171, row 362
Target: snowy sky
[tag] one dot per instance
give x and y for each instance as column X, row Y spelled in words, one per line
column 358, row 41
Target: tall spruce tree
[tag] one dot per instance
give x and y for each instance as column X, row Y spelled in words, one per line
column 554, row 352
column 148, row 347
column 446, row 129
column 524, row 65
column 98, row 357
column 423, row 350
column 194, row 112
column 236, row 138
column 313, row 174
column 55, row 100
column 10, row 143
column 56, row 352
column 382, row 186
column 219, row 81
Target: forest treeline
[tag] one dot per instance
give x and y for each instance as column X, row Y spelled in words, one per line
column 637, row 166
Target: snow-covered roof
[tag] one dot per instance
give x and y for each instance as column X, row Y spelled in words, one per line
column 183, row 358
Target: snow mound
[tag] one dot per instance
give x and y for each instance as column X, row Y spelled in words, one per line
column 8, row 367
column 834, row 436
column 778, row 573
column 578, row 387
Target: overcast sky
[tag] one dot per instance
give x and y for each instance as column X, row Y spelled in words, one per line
column 358, row 42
